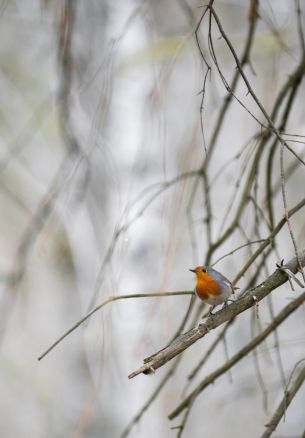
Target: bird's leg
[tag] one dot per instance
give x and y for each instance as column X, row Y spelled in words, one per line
column 211, row 311
column 225, row 304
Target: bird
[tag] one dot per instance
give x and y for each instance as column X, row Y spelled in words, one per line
column 212, row 287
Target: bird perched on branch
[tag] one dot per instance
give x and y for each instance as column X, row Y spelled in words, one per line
column 212, row 287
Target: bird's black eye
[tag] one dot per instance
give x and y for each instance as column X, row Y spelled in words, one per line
column 204, row 270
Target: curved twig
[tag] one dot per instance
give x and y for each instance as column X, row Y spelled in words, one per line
column 103, row 304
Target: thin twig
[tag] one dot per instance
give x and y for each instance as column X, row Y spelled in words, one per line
column 120, row 229
column 103, row 304
column 268, row 241
column 237, row 249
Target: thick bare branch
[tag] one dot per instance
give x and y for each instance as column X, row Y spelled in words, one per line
column 291, row 307
column 245, row 302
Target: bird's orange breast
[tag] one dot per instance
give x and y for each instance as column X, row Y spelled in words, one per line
column 207, row 286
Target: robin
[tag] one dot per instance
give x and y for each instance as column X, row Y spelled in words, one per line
column 212, row 287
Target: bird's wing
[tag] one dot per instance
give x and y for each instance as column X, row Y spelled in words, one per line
column 220, row 276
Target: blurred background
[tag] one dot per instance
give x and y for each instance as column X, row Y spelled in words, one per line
column 101, row 140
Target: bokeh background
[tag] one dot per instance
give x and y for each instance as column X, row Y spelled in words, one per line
column 100, row 112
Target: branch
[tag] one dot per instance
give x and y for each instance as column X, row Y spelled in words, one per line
column 245, row 302
column 165, row 379
column 211, row 348
column 288, row 310
column 281, row 409
column 269, row 240
column 103, row 304
column 245, row 59
column 151, row 398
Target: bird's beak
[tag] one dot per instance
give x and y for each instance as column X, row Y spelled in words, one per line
column 192, row 270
